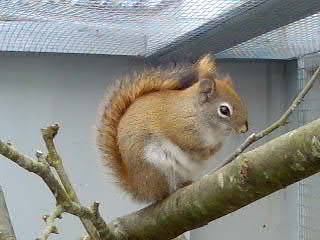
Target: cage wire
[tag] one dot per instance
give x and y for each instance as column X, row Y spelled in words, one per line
column 142, row 27
column 291, row 41
column 117, row 27
column 309, row 190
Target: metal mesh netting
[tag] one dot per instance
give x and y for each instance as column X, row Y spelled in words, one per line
column 122, row 27
column 293, row 40
column 309, row 190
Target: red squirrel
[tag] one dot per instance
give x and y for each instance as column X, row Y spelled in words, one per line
column 159, row 128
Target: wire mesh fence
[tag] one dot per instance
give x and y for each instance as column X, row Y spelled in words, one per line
column 121, row 27
column 309, row 189
column 141, row 27
column 291, row 41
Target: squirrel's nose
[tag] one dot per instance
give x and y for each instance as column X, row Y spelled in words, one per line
column 244, row 128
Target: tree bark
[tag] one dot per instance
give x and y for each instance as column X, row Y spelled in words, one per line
column 253, row 175
column 6, row 229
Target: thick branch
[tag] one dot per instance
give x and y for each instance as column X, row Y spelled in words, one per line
column 253, row 175
column 6, row 229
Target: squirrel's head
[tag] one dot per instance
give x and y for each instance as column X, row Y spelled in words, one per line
column 219, row 104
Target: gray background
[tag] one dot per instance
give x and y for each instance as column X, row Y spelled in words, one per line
column 38, row 90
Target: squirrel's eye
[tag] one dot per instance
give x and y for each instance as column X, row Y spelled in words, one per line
column 224, row 111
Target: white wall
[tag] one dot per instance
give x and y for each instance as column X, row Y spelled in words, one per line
column 38, row 90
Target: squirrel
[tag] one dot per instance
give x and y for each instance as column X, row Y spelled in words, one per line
column 157, row 129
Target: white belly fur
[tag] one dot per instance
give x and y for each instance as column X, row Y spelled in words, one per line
column 176, row 164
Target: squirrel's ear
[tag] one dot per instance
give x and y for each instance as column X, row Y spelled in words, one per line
column 206, row 89
column 205, row 66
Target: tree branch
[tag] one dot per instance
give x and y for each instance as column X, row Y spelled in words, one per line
column 51, row 227
column 55, row 161
column 39, row 168
column 6, row 229
column 253, row 175
column 109, row 232
column 42, row 169
column 283, row 120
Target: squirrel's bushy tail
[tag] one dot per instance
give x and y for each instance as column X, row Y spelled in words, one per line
column 118, row 100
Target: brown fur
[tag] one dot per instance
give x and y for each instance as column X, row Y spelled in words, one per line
column 152, row 104
column 118, row 100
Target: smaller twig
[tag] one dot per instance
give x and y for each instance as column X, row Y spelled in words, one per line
column 55, row 161
column 42, row 169
column 283, row 120
column 41, row 158
column 48, row 135
column 95, row 209
column 10, row 144
column 92, row 214
column 100, row 223
column 45, row 217
column 49, row 220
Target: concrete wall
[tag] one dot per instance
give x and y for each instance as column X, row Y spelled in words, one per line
column 38, row 90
